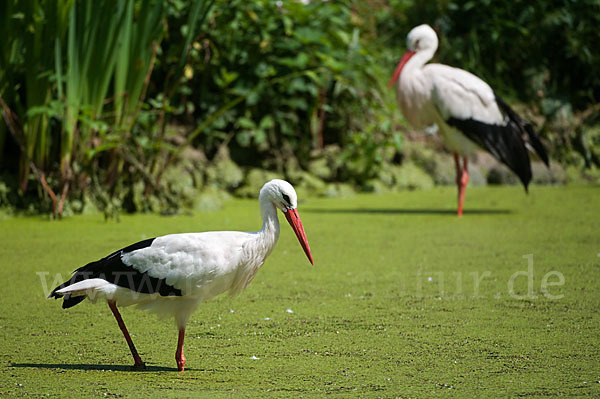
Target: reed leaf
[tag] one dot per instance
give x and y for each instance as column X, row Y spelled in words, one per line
column 94, row 31
column 135, row 58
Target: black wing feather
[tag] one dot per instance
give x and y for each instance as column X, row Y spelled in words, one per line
column 505, row 142
column 113, row 270
column 529, row 134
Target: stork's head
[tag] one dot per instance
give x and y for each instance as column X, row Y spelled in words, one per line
column 283, row 196
column 420, row 39
column 280, row 193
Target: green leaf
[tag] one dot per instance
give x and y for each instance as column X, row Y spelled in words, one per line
column 243, row 138
column 266, row 122
column 245, row 123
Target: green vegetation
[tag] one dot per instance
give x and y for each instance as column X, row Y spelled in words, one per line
column 133, row 105
column 370, row 319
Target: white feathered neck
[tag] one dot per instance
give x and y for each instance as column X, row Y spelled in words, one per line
column 260, row 246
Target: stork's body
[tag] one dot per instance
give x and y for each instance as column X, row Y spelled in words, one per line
column 171, row 275
column 468, row 113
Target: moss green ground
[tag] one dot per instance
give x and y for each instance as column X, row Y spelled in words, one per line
column 405, row 300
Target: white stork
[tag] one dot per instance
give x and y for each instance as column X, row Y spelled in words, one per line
column 466, row 110
column 172, row 274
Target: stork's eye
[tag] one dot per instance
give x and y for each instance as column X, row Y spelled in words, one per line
column 286, row 198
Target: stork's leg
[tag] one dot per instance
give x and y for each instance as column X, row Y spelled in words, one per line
column 179, row 358
column 461, row 181
column 136, row 357
column 458, row 182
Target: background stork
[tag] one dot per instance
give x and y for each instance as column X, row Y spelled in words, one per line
column 466, row 110
column 171, row 275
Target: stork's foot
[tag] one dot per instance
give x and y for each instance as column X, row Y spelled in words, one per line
column 180, row 359
column 139, row 365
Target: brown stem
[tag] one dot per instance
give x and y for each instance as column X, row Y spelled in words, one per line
column 586, row 113
column 15, row 129
column 50, row 193
column 63, row 195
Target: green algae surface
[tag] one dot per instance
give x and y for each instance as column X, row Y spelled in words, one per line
column 405, row 300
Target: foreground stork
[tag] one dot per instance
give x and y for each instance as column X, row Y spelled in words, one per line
column 466, row 110
column 171, row 275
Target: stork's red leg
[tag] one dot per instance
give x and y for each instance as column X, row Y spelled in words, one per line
column 136, row 357
column 458, row 182
column 461, row 181
column 179, row 358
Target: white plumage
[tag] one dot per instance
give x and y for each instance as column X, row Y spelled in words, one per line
column 171, row 275
column 467, row 112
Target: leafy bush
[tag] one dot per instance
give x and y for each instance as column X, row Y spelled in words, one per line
column 306, row 79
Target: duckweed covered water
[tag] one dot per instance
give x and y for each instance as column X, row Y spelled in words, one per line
column 405, row 299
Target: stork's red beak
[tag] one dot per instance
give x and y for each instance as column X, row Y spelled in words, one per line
column 294, row 220
column 399, row 67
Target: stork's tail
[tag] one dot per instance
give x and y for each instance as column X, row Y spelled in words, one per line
column 74, row 292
